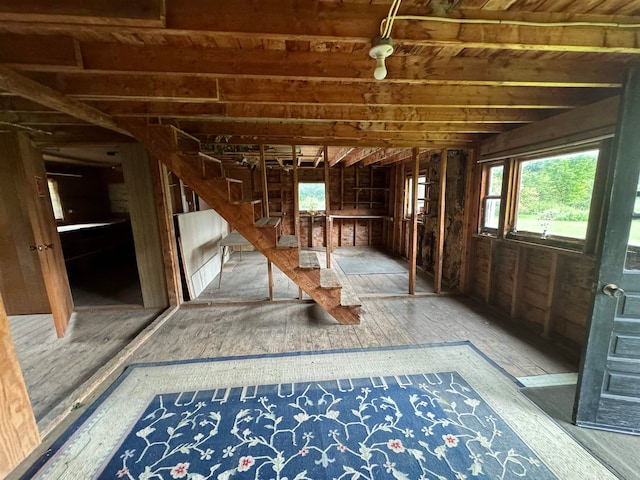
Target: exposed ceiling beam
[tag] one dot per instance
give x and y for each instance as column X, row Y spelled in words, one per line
column 383, row 155
column 357, row 155
column 41, row 52
column 360, row 113
column 331, row 22
column 193, row 88
column 17, row 84
column 338, row 155
column 141, row 13
column 313, row 130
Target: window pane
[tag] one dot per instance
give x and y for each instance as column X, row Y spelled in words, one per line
column 632, row 261
column 55, row 199
column 492, row 213
column 555, row 195
column 494, row 188
column 311, row 197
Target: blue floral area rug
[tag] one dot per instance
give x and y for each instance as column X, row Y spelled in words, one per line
column 401, row 421
column 417, row 426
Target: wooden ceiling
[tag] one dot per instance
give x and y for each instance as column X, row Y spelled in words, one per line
column 238, row 73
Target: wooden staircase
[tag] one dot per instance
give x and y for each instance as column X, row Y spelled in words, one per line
column 204, row 174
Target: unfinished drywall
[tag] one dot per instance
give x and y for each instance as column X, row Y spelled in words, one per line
column 199, row 235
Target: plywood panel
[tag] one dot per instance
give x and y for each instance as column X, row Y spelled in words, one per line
column 21, row 282
column 18, row 430
column 144, row 223
column 200, row 234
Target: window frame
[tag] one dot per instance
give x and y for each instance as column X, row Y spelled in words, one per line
column 485, row 188
column 511, row 192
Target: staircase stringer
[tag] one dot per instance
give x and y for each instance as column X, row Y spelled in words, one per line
column 161, row 141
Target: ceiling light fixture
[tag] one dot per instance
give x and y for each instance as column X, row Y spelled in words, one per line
column 381, row 49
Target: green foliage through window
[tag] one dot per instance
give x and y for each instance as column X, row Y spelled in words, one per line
column 311, row 197
column 555, row 194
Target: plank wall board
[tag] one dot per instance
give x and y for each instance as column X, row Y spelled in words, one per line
column 18, row 430
column 21, row 282
column 200, row 234
column 53, row 367
column 523, row 287
column 144, row 223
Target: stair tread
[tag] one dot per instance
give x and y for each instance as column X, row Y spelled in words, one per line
column 329, row 279
column 308, row 260
column 225, row 179
column 288, row 241
column 268, row 222
column 348, row 297
column 246, row 201
column 209, row 157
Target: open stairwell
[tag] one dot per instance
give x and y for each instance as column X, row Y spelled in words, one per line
column 205, row 175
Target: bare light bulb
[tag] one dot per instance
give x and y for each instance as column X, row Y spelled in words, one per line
column 380, row 50
column 381, row 70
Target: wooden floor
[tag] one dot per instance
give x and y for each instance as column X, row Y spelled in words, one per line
column 248, row 281
column 53, row 368
column 197, row 330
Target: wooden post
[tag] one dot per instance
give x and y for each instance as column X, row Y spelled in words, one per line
column 470, row 217
column 265, row 187
column 18, row 430
column 437, row 281
column 162, row 195
column 144, row 223
column 413, row 252
column 327, row 199
column 265, row 206
column 296, row 203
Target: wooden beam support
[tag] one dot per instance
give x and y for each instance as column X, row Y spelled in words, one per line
column 166, row 229
column 334, row 66
column 473, row 175
column 442, row 218
column 193, row 88
column 142, row 13
column 327, row 198
column 25, row 87
column 581, row 125
column 413, row 250
column 363, row 115
column 318, row 130
column 18, row 430
column 346, row 25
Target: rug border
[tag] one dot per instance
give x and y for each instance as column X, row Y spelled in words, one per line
column 68, row 433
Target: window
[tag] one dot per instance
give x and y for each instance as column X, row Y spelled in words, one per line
column 408, row 197
column 492, row 197
column 554, row 195
column 58, row 212
column 311, row 197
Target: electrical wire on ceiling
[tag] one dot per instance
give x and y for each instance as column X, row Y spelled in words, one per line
column 386, row 25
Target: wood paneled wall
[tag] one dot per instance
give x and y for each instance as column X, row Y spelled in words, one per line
column 355, row 192
column 549, row 290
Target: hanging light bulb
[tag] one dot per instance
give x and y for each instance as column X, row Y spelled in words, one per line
column 380, row 50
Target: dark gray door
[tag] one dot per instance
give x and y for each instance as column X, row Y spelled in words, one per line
column 608, row 394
